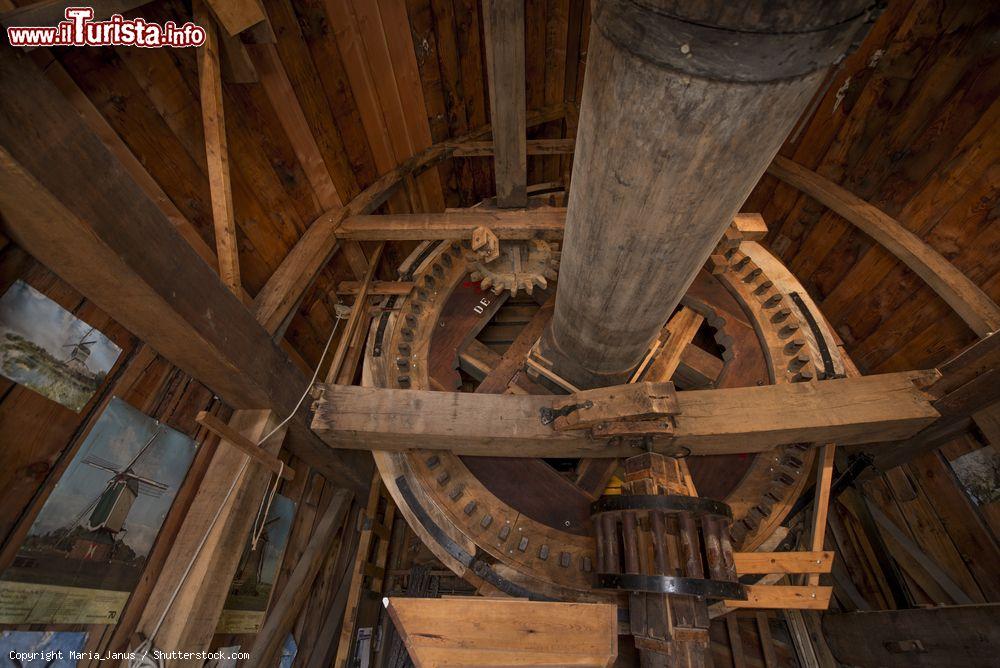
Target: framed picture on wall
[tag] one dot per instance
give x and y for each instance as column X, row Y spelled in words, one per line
column 48, row 349
column 87, row 548
column 257, row 571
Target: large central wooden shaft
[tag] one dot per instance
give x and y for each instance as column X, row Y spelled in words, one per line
column 684, row 106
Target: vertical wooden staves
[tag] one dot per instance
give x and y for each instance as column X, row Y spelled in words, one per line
column 503, row 23
column 217, row 153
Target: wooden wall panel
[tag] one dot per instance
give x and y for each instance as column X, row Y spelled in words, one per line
column 907, row 123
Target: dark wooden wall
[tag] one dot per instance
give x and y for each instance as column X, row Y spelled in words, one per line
column 908, row 123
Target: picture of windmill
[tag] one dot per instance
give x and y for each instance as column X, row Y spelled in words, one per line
column 80, row 352
column 49, row 350
column 110, row 508
column 257, row 571
column 99, row 524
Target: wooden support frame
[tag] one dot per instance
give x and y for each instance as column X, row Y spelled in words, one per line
column 821, row 502
column 855, row 410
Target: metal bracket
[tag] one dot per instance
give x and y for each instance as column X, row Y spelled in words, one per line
column 549, row 414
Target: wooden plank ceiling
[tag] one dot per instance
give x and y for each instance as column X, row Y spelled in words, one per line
column 350, row 88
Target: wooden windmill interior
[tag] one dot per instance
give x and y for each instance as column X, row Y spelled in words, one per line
column 376, row 333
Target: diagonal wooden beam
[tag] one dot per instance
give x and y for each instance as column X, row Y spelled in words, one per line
column 503, row 28
column 217, row 153
column 136, row 267
column 235, row 16
column 282, row 614
column 682, row 327
column 221, row 515
column 869, row 409
column 513, row 358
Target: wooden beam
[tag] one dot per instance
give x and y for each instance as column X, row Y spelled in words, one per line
column 767, row 563
column 752, row 419
column 478, row 631
column 51, row 12
column 697, row 369
column 192, row 587
column 282, row 614
column 783, row 596
column 938, row 574
column 217, row 153
column 970, row 381
column 344, row 644
column 973, row 305
column 478, row 149
column 547, row 223
column 955, row 636
column 235, row 16
column 821, row 502
column 357, row 310
column 503, row 28
column 377, row 287
column 136, row 267
column 535, row 223
column 682, row 327
column 477, row 360
column 242, row 443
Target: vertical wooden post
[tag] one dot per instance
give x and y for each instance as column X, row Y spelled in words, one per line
column 821, row 501
column 503, row 22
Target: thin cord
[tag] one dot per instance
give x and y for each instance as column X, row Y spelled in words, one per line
column 261, row 518
column 309, row 386
column 147, row 644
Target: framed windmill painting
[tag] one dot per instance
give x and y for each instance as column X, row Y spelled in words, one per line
column 46, row 348
column 86, row 550
column 250, row 592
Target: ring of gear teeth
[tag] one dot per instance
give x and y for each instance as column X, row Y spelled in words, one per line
column 541, row 266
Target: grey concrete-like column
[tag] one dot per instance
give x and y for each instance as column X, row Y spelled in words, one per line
column 684, row 106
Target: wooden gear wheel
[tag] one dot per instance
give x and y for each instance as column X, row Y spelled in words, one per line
column 521, row 265
column 522, row 527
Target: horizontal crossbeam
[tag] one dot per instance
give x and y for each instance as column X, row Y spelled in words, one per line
column 733, row 420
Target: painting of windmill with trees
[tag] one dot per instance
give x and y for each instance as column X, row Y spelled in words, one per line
column 48, row 349
column 97, row 527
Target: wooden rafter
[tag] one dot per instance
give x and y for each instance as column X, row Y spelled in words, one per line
column 732, row 420
column 217, row 152
column 235, row 16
